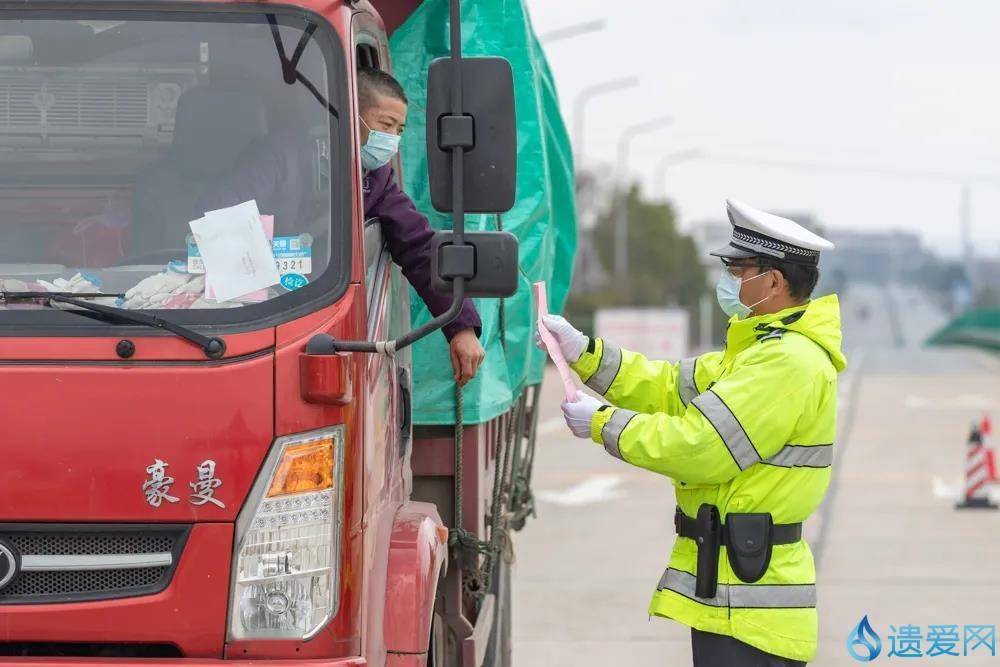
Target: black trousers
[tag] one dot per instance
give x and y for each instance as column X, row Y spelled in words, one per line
column 712, row 650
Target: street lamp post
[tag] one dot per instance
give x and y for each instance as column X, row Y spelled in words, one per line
column 571, row 31
column 670, row 160
column 621, row 173
column 705, row 306
column 585, row 97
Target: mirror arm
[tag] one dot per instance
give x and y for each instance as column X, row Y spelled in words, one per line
column 390, row 347
column 326, row 345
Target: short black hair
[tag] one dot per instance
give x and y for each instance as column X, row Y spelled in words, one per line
column 373, row 83
column 801, row 278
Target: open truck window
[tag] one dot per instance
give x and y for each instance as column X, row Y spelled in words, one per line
column 367, row 56
column 118, row 129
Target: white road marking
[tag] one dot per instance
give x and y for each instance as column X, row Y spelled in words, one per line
column 942, row 489
column 594, row 489
column 964, row 402
column 973, row 401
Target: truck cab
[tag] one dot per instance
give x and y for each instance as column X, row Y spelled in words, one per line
column 190, row 476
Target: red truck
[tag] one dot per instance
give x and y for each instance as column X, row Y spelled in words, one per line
column 195, row 479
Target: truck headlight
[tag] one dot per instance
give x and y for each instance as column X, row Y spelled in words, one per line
column 287, row 564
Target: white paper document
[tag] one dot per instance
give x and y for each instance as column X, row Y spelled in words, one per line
column 237, row 254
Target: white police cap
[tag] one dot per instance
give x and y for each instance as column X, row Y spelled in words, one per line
column 756, row 233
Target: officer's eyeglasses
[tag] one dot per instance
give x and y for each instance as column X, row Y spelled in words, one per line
column 737, row 270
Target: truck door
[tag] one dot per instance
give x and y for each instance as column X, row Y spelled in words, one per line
column 388, row 291
column 382, row 396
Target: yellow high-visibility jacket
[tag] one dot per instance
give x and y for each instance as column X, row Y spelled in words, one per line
column 747, row 429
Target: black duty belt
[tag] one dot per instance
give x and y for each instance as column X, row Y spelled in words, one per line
column 748, row 539
column 781, row 533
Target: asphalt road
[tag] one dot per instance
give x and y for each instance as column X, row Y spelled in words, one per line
column 887, row 540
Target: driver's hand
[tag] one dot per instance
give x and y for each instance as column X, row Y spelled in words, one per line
column 466, row 355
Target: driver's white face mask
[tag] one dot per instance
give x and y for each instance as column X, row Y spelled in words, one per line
column 379, row 149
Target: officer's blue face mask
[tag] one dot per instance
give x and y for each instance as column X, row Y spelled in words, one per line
column 727, row 291
column 379, row 149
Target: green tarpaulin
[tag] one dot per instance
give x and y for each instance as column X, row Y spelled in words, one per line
column 543, row 219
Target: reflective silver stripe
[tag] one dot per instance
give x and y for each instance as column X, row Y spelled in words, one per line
column 814, row 456
column 741, row 596
column 728, row 427
column 76, row 562
column 611, row 361
column 686, row 387
column 769, row 595
column 612, row 430
column 683, row 583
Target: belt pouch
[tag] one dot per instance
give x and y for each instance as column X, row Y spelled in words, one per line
column 748, row 544
column 709, row 540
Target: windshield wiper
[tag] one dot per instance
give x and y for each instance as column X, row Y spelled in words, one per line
column 212, row 346
column 10, row 297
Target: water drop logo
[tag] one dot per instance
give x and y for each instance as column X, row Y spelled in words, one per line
column 863, row 643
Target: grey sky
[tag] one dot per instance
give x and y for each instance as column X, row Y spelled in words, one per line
column 908, row 86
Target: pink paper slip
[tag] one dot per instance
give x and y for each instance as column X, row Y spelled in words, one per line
column 542, row 303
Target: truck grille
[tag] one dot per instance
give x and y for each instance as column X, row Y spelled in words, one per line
column 76, row 650
column 84, row 103
column 66, row 543
column 55, row 105
column 96, row 104
column 70, row 563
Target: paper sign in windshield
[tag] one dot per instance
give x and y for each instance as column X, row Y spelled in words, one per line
column 292, row 254
column 235, row 251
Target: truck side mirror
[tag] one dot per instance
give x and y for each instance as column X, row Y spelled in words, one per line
column 491, row 259
column 490, row 166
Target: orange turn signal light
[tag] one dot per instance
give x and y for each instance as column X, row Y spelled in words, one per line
column 304, row 467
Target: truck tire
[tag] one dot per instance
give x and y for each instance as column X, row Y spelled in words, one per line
column 438, row 654
column 498, row 652
column 445, row 651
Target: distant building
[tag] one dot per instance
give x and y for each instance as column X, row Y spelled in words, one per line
column 875, row 256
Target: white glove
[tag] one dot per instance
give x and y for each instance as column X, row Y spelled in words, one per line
column 579, row 414
column 163, row 282
column 197, row 284
column 571, row 341
column 78, row 283
column 155, row 290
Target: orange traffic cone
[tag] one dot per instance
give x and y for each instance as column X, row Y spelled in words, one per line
column 991, row 459
column 977, row 473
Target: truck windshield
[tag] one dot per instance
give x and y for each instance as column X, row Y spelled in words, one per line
column 119, row 130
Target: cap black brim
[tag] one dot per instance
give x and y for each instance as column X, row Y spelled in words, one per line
column 733, row 252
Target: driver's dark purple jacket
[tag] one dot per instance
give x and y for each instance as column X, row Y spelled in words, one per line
column 408, row 236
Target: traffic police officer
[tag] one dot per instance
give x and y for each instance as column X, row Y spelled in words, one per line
column 745, row 433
